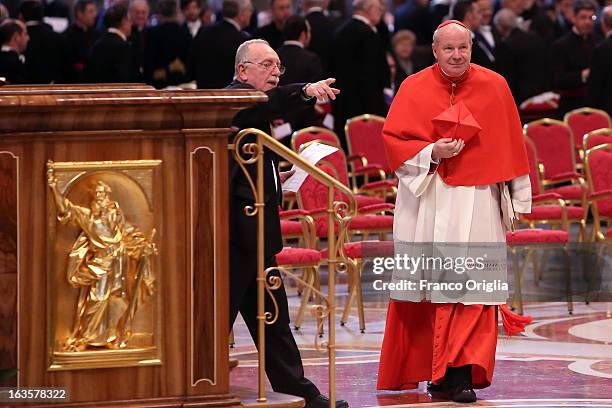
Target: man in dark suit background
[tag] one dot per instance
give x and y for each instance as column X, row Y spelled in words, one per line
column 45, row 55
column 322, row 29
column 281, row 10
column 521, row 58
column 258, row 67
column 191, row 10
column 468, row 12
column 166, row 49
column 599, row 84
column 80, row 38
column 138, row 12
column 301, row 66
column 14, row 37
column 111, row 57
column 360, row 66
column 414, row 15
column 571, row 57
column 214, row 48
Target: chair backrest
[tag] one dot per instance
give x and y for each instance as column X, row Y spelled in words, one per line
column 313, row 194
column 596, row 138
column 311, row 133
column 337, row 159
column 585, row 120
column 534, row 168
column 554, row 143
column 364, row 138
column 598, row 165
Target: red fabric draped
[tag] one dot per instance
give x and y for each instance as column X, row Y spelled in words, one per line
column 496, row 154
column 422, row 339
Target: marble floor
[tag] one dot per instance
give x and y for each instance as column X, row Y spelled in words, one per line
column 561, row 360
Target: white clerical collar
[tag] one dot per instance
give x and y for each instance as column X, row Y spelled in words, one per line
column 232, row 22
column 6, row 48
column 292, row 42
column 194, row 27
column 364, row 20
column 32, row 23
column 118, row 32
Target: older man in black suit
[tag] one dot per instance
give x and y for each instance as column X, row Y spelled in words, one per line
column 360, row 65
column 214, row 48
column 599, row 85
column 258, row 67
column 522, row 58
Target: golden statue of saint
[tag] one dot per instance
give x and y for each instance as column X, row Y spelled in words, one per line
column 110, row 264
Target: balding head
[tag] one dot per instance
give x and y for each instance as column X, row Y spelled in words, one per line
column 505, row 21
column 452, row 47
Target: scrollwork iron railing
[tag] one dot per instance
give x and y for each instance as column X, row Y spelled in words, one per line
column 249, row 152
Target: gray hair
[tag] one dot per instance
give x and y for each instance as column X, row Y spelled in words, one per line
column 231, row 8
column 506, row 19
column 403, row 35
column 242, row 54
column 437, row 33
column 362, row 5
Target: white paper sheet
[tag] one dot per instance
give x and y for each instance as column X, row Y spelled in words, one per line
column 312, row 154
column 282, row 131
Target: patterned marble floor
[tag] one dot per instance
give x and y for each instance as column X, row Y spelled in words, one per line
column 560, row 361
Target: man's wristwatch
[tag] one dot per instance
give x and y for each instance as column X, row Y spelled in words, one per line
column 304, row 88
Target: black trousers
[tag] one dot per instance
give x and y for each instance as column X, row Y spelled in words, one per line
column 283, row 361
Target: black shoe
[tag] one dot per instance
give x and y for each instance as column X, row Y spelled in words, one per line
column 463, row 393
column 321, row 401
column 437, row 388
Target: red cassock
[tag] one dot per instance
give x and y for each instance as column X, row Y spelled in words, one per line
column 423, row 339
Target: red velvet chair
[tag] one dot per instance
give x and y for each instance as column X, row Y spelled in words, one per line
column 555, row 150
column 583, row 121
column 533, row 108
column 381, row 188
column 364, row 139
column 552, row 213
column 306, row 258
column 598, row 165
column 530, row 240
column 596, row 138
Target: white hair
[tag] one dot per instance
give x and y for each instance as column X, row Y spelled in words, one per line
column 506, row 19
column 362, row 5
column 242, row 54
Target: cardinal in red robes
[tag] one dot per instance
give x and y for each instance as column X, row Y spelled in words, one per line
column 452, row 133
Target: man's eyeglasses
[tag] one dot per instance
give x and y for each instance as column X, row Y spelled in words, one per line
column 268, row 66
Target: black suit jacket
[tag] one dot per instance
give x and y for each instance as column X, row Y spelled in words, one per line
column 416, row 18
column 79, row 44
column 166, row 55
column 213, row 54
column 271, row 34
column 302, row 66
column 599, row 84
column 45, row 55
column 361, row 70
column 322, row 30
column 243, row 229
column 571, row 54
column 522, row 60
column 111, row 61
column 12, row 68
column 137, row 43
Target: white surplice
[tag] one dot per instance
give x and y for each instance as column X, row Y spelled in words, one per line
column 428, row 210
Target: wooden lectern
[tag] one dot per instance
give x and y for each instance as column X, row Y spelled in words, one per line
column 113, row 243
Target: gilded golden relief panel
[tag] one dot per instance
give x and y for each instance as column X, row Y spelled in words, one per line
column 103, row 280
